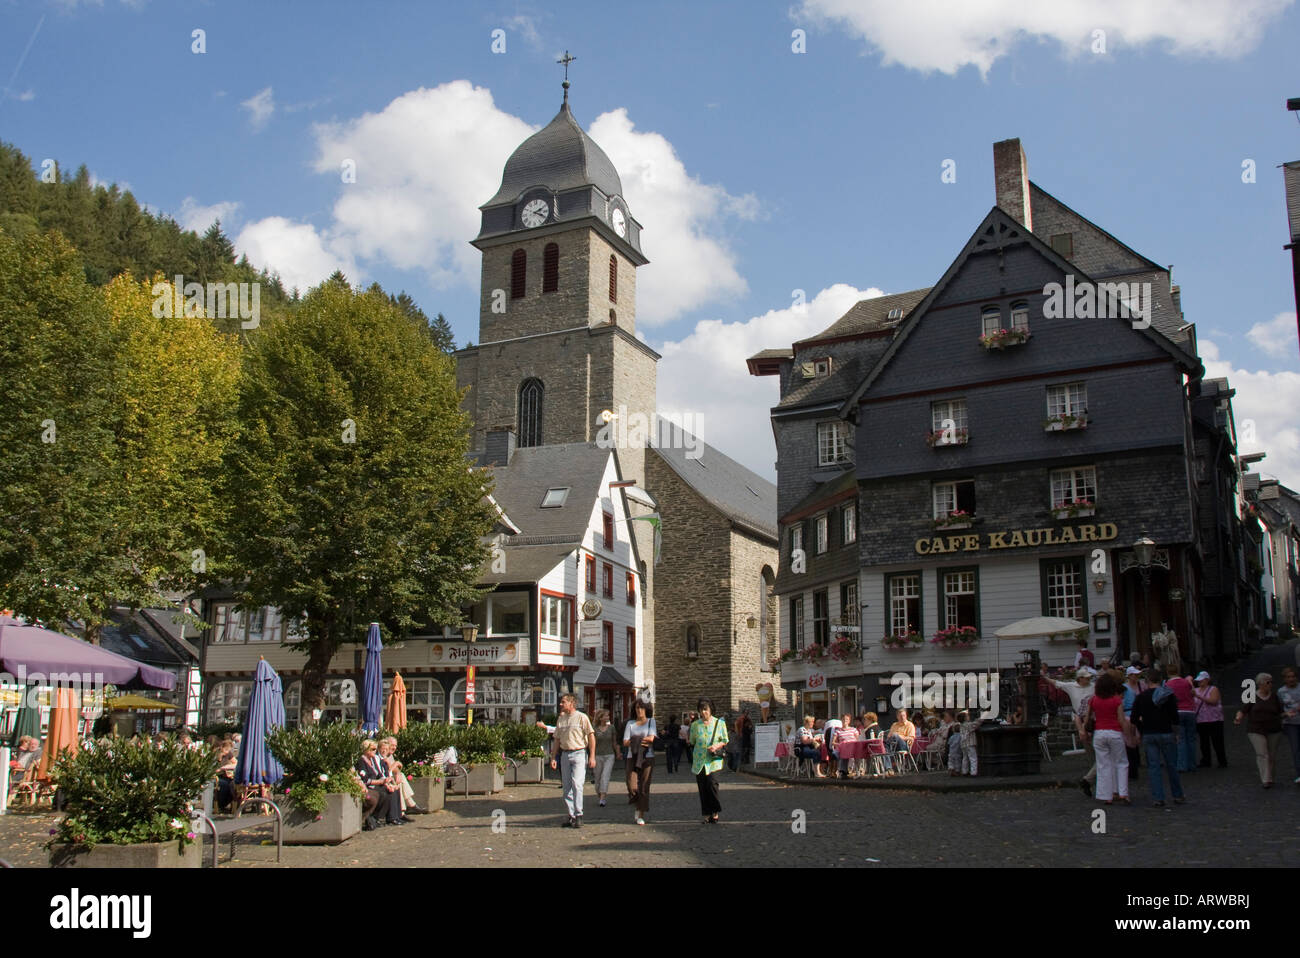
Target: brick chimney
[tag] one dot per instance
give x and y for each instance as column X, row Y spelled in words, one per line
column 500, row 446
column 1011, row 180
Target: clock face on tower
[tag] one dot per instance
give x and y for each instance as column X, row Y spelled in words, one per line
column 534, row 213
column 620, row 224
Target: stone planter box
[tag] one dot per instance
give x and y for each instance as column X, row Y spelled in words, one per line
column 339, row 822
column 959, row 524
column 485, row 780
column 430, row 793
column 1059, row 425
column 150, row 855
column 529, row 772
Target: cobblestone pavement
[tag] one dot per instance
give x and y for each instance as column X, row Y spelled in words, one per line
column 1229, row 820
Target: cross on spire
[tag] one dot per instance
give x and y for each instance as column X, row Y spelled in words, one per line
column 566, row 60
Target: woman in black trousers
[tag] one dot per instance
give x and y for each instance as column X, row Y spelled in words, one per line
column 708, row 740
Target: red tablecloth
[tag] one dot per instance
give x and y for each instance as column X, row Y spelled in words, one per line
column 853, row 750
column 782, row 749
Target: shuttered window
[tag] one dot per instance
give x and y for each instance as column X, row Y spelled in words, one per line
column 551, row 268
column 518, row 273
column 613, row 279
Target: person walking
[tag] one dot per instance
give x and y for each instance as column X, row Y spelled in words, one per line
column 606, row 749
column 574, row 736
column 1263, row 726
column 1185, row 699
column 708, row 741
column 1107, row 709
column 1132, row 746
column 1209, row 720
column 673, row 743
column 639, row 754
column 1155, row 713
column 1289, row 694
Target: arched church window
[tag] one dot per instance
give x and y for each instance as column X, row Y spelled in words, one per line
column 518, row 273
column 551, row 268
column 530, row 413
column 613, row 279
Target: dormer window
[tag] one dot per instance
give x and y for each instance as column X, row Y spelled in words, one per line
column 821, row 367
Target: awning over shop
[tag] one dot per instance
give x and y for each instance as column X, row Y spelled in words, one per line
column 612, row 679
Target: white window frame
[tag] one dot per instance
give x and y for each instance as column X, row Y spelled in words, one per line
column 796, row 538
column 849, row 523
column 823, row 526
column 993, row 313
column 1072, row 484
column 945, row 409
column 902, row 589
column 966, row 585
column 228, row 701
column 797, row 623
column 833, row 443
column 1067, row 399
column 1020, row 315
column 822, row 367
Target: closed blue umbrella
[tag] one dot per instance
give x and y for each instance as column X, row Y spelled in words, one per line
column 257, row 766
column 372, row 686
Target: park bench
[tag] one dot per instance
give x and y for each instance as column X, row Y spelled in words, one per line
column 205, row 824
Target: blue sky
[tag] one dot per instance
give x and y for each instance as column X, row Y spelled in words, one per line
column 754, row 170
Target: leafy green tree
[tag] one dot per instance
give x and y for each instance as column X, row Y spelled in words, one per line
column 355, row 502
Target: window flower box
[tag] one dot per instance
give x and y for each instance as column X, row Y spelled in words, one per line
column 941, row 438
column 1078, row 509
column 1002, row 338
column 957, row 637
column 1066, row 422
column 903, row 640
column 813, row 653
column 844, row 648
column 958, row 519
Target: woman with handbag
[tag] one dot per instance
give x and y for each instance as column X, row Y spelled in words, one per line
column 638, row 751
column 708, row 739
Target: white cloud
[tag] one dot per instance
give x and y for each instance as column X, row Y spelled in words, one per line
column 301, row 255
column 197, row 217
column 690, row 264
column 945, row 36
column 705, row 373
column 1265, row 412
column 527, row 26
column 423, row 165
column 1277, row 337
column 260, row 106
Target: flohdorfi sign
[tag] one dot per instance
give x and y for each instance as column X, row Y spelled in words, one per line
column 478, row 653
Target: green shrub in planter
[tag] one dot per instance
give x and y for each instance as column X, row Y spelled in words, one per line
column 480, row 745
column 219, row 729
column 523, row 740
column 122, row 792
column 418, row 743
column 318, row 760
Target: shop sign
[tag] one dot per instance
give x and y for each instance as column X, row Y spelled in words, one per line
column 482, row 653
column 816, row 680
column 469, row 685
column 1017, row 539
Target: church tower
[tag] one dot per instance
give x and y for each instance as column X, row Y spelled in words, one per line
column 557, row 309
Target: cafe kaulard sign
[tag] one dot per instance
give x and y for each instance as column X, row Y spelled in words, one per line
column 1017, row 539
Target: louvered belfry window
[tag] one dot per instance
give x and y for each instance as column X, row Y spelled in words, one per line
column 551, row 268
column 518, row 273
column 530, row 413
column 613, row 279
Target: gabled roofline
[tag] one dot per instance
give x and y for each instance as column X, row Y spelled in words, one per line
column 1109, row 235
column 997, row 215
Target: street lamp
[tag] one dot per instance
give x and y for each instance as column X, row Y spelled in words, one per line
column 469, row 633
column 1144, row 550
column 750, row 622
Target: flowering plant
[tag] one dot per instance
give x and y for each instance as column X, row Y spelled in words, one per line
column 813, row 653
column 1004, row 337
column 957, row 637
column 130, row 793
column 901, row 640
column 843, row 648
column 1066, row 421
column 948, row 437
column 1071, row 508
column 958, row 517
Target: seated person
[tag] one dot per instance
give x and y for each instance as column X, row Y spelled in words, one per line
column 954, row 744
column 901, row 734
column 227, row 760
column 845, row 733
column 28, row 754
column 382, row 795
column 807, row 747
column 388, row 752
column 1017, row 717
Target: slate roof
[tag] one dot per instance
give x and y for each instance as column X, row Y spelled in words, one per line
column 826, row 490
column 137, row 637
column 519, row 489
column 560, row 156
column 610, row 676
column 743, row 496
column 869, row 316
column 526, row 564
